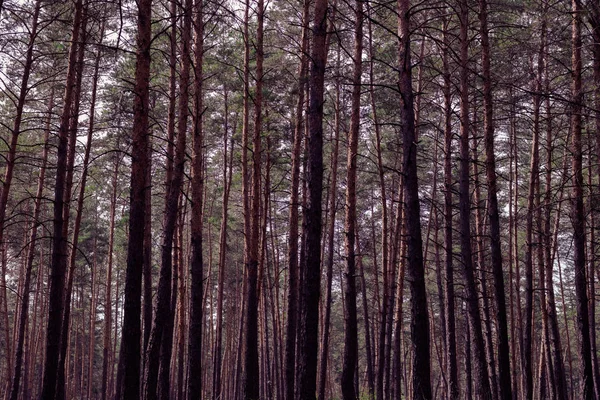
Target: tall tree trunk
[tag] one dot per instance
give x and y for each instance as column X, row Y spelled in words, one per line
column 493, row 212
column 421, row 380
column 196, row 261
column 453, row 382
column 559, row 369
column 106, row 349
column 128, row 374
column 577, row 211
column 251, row 376
column 332, row 211
column 158, row 355
column 59, row 241
column 292, row 308
column 227, row 175
column 368, row 338
column 65, row 335
column 24, row 311
column 594, row 15
column 312, row 224
column 481, row 371
column 350, row 356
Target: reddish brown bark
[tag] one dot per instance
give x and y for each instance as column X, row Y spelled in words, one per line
column 312, row 223
column 350, row 356
column 128, row 376
column 421, row 380
column 59, row 240
column 292, row 309
column 197, row 185
column 577, row 210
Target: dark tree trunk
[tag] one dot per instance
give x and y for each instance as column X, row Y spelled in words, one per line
column 59, row 241
column 312, row 223
column 128, row 374
column 292, row 309
column 421, row 380
column 227, row 175
column 251, row 376
column 453, row 383
column 493, row 213
column 197, row 185
column 73, row 125
column 332, row 211
column 481, row 371
column 577, row 211
column 158, row 355
column 24, row 311
column 350, row 356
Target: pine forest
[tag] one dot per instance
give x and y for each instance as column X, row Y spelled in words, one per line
column 300, row 199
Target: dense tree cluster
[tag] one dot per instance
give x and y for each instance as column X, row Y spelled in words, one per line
column 299, row 199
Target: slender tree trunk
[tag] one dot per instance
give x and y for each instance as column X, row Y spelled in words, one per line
column 368, row 341
column 251, row 376
column 559, row 369
column 106, row 351
column 577, row 211
column 59, row 241
column 9, row 171
column 312, row 224
column 453, row 382
column 350, row 356
column 196, row 262
column 227, row 175
column 493, row 212
column 332, row 211
column 158, row 355
column 421, row 380
column 24, row 311
column 594, row 15
column 293, row 273
column 128, row 375
column 383, row 311
column 65, row 335
column 481, row 371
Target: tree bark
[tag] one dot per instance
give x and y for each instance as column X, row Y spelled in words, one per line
column 128, row 375
column 577, row 211
column 292, row 308
column 24, row 311
column 251, row 376
column 421, row 380
column 158, row 355
column 493, row 212
column 312, row 224
column 453, row 382
column 332, row 211
column 350, row 356
column 197, row 185
column 59, row 241
column 481, row 371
